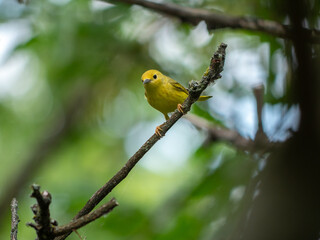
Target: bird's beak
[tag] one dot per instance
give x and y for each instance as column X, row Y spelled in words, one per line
column 146, row 81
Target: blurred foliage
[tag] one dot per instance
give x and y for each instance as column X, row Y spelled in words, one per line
column 51, row 49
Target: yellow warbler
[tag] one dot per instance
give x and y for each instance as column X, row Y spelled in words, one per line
column 164, row 94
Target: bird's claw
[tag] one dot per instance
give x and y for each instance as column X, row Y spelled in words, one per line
column 159, row 131
column 180, row 109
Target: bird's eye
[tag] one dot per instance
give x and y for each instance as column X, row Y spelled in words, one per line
column 155, row 76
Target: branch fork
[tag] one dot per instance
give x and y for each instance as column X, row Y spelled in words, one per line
column 47, row 228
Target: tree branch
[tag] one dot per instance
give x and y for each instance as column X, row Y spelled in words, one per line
column 260, row 142
column 14, row 219
column 221, row 134
column 45, row 226
column 41, row 211
column 258, row 94
column 219, row 21
column 195, row 89
column 84, row 220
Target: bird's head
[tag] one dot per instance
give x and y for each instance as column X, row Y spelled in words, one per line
column 151, row 77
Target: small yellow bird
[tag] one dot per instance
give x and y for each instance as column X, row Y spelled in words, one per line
column 164, row 94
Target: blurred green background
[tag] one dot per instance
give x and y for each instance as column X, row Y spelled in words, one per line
column 75, row 66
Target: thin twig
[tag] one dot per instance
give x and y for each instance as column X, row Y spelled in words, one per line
column 258, row 94
column 78, row 234
column 14, row 219
column 84, row 220
column 219, row 21
column 195, row 89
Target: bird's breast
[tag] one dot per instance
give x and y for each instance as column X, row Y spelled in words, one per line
column 164, row 97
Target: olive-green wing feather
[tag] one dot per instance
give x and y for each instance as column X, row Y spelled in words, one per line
column 181, row 88
column 177, row 85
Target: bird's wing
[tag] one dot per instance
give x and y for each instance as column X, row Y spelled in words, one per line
column 177, row 85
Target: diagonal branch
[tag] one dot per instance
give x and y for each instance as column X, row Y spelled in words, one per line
column 219, row 21
column 221, row 134
column 46, row 227
column 195, row 89
column 260, row 142
column 84, row 220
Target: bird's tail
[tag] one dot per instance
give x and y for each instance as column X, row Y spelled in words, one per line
column 203, row 98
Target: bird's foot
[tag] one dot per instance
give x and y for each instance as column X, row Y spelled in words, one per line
column 159, row 131
column 180, row 109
